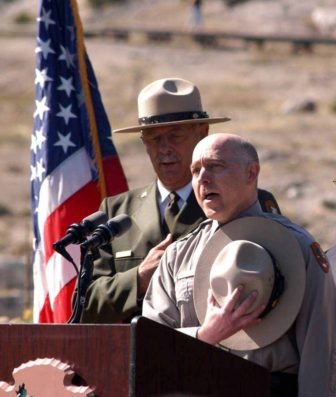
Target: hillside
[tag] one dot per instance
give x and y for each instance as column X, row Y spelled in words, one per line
column 257, row 16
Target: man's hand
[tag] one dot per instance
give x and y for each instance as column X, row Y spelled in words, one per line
column 150, row 263
column 222, row 322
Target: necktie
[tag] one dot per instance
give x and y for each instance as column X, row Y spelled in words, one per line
column 171, row 211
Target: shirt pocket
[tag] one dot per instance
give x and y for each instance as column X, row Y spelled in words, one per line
column 124, row 264
column 184, row 297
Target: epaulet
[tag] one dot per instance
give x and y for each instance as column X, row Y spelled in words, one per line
column 194, row 231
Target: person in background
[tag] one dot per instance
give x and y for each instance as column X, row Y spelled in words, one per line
column 196, row 14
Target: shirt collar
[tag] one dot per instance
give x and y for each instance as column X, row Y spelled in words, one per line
column 183, row 193
column 253, row 210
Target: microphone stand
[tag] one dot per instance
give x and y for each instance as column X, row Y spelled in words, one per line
column 83, row 281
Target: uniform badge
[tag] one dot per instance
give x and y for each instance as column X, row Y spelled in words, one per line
column 123, row 254
column 320, row 257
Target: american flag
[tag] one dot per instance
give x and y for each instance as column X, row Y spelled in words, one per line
column 74, row 163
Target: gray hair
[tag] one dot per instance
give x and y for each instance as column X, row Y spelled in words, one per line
column 248, row 152
column 243, row 150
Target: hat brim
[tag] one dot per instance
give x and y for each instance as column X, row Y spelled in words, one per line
column 138, row 128
column 288, row 254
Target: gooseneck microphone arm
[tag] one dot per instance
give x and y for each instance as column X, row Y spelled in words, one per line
column 76, row 234
column 83, row 281
column 113, row 228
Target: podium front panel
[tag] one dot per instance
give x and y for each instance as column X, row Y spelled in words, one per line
column 98, row 354
column 145, row 359
column 166, row 362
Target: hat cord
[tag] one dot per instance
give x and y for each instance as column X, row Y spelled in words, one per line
column 278, row 287
column 169, row 117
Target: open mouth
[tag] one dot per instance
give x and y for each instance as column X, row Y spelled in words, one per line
column 209, row 196
column 168, row 163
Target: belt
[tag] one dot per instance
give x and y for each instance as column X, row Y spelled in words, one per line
column 284, row 385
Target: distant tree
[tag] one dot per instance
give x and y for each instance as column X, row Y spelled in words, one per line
column 23, row 18
column 6, row 1
column 232, row 3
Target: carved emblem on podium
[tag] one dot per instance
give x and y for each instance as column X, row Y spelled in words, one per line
column 44, row 377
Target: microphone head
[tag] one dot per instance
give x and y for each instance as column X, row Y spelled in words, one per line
column 119, row 224
column 92, row 221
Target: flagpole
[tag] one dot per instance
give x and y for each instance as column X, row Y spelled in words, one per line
column 88, row 98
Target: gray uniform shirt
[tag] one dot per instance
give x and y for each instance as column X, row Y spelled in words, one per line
column 308, row 348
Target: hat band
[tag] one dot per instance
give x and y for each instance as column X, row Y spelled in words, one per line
column 278, row 287
column 168, row 117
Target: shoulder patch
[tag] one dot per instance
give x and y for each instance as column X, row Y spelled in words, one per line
column 320, row 256
column 271, row 207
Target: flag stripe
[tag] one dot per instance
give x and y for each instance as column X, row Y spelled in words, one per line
column 62, row 310
column 44, row 314
column 40, row 287
column 68, row 213
column 62, row 183
column 114, row 175
column 59, row 272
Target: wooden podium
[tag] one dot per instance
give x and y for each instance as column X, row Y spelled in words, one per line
column 142, row 359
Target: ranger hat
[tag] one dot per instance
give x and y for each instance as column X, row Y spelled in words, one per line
column 170, row 101
column 263, row 256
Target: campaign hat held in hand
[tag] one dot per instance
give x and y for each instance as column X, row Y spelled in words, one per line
column 263, row 256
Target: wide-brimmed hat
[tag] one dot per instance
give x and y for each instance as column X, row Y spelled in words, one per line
column 170, row 101
column 263, row 256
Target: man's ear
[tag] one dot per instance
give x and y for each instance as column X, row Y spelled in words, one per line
column 253, row 170
column 204, row 130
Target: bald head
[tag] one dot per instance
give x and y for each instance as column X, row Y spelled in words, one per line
column 225, row 169
column 243, row 150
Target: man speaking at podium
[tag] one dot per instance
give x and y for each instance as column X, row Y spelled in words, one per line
column 251, row 282
column 171, row 122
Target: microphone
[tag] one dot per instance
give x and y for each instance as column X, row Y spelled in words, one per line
column 115, row 227
column 77, row 232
